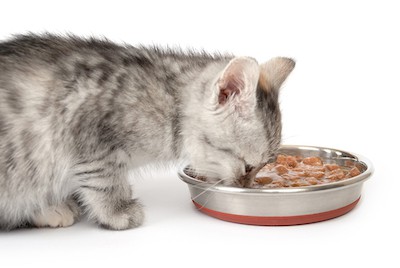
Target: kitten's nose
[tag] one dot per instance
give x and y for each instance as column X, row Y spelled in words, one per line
column 248, row 168
column 247, row 179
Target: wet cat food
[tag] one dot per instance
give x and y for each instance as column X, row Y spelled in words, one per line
column 297, row 171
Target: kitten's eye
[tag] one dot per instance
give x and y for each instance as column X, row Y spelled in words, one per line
column 248, row 168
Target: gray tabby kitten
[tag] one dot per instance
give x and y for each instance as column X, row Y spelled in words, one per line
column 77, row 114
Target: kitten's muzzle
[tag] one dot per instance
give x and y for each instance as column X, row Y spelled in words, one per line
column 247, row 179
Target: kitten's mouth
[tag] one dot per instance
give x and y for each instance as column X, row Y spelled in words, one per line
column 247, row 179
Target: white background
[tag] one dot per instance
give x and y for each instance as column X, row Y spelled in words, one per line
column 342, row 94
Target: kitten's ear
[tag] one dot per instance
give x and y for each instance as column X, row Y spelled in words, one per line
column 238, row 81
column 274, row 72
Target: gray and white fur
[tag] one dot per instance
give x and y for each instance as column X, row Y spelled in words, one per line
column 77, row 114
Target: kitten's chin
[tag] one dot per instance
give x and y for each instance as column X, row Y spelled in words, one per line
column 242, row 181
column 224, row 182
column 213, row 174
column 215, row 178
column 221, row 179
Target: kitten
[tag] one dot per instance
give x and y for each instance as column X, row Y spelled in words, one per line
column 77, row 114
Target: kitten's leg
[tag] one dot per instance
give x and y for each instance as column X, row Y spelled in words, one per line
column 108, row 199
column 57, row 216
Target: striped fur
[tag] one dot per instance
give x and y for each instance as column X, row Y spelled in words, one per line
column 77, row 114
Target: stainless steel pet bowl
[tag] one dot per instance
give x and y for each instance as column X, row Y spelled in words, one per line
column 283, row 206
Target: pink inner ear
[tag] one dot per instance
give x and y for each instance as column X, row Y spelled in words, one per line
column 232, row 87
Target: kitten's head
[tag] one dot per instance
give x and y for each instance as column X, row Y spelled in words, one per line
column 237, row 128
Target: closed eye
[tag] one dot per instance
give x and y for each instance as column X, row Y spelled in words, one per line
column 222, row 149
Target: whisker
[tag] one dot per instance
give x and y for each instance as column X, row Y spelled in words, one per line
column 203, row 173
column 205, row 190
column 205, row 203
column 209, row 197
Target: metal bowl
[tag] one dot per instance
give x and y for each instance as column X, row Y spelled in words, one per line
column 283, row 206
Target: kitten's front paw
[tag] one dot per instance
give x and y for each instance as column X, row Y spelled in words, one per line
column 57, row 216
column 127, row 214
